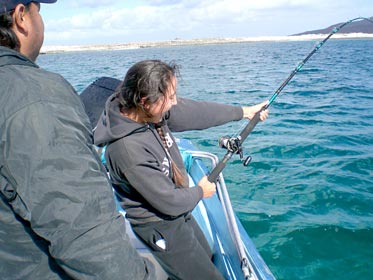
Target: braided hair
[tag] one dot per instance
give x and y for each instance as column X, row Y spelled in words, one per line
column 177, row 175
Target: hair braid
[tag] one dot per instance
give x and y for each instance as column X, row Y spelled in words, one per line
column 177, row 175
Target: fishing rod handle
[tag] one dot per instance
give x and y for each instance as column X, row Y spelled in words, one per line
column 213, row 176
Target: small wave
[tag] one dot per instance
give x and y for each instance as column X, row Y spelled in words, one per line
column 311, row 70
column 300, row 151
column 363, row 166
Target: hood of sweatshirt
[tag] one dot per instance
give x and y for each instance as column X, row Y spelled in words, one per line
column 113, row 126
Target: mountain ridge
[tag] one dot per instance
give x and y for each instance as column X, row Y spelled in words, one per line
column 362, row 26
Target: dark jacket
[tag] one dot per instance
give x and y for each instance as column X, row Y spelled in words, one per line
column 57, row 213
column 139, row 164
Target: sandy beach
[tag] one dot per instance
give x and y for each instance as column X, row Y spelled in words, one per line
column 182, row 42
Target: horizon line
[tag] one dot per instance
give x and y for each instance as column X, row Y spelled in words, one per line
column 200, row 41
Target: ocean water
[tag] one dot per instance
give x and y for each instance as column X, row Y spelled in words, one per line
column 306, row 199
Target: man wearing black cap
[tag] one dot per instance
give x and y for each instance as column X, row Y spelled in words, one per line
column 57, row 213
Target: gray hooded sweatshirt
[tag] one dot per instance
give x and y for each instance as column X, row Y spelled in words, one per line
column 139, row 165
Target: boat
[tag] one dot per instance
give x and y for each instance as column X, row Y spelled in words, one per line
column 234, row 253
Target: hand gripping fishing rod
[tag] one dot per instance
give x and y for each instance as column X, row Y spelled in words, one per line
column 234, row 144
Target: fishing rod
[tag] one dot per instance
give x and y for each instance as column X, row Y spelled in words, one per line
column 234, row 144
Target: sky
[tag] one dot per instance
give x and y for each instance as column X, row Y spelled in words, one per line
column 93, row 22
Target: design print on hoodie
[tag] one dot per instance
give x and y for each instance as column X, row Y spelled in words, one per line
column 166, row 162
column 169, row 141
column 166, row 166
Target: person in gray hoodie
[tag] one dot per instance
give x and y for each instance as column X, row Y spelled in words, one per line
column 146, row 167
column 58, row 218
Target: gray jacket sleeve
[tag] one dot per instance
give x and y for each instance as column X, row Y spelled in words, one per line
column 196, row 115
column 64, row 195
column 147, row 177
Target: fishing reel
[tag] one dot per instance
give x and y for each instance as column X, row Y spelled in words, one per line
column 234, row 145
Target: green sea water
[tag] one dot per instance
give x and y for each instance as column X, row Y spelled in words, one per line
column 306, row 200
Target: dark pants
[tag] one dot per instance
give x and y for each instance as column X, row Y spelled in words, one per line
column 182, row 249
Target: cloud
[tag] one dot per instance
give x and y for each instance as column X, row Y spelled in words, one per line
column 164, row 2
column 162, row 13
column 88, row 3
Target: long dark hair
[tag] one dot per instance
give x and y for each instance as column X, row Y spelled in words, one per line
column 149, row 80
column 7, row 36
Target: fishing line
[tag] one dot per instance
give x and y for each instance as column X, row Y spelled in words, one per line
column 234, row 144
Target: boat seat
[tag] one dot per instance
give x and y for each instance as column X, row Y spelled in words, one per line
column 143, row 250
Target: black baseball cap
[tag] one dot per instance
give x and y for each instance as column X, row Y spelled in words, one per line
column 8, row 5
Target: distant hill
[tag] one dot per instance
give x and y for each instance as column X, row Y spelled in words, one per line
column 362, row 26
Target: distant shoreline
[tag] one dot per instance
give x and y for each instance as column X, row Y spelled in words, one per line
column 182, row 42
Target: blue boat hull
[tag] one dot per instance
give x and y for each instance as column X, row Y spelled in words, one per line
column 210, row 215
